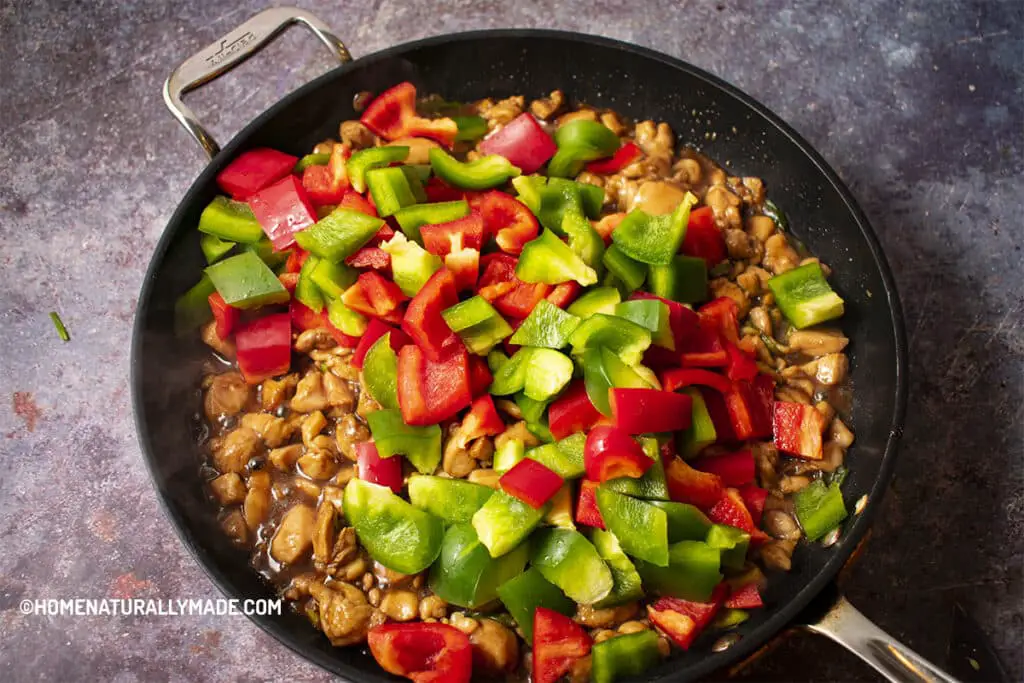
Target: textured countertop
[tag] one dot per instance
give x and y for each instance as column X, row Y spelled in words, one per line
column 918, row 105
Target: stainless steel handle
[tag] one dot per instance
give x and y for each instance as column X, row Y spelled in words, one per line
column 225, row 54
column 844, row 624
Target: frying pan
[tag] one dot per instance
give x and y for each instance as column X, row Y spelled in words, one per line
column 729, row 126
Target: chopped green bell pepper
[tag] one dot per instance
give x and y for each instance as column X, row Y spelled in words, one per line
column 311, row 160
column 541, row 431
column 480, row 174
column 397, row 534
column 692, row 572
column 805, row 297
column 466, row 575
column 685, row 522
column 580, row 141
column 470, row 128
column 339, row 234
column 539, row 373
column 652, row 485
column 584, row 239
column 264, row 248
column 729, row 618
column 596, row 300
column 479, row 325
column 420, row 445
column 567, row 559
column 560, row 513
column 732, row 542
column 533, row 411
column 630, row 272
column 602, row 370
column 550, row 199
column 626, row 583
column 412, row 218
column 214, row 248
column 363, row 160
column 508, row 455
column 523, row 594
column 819, row 508
column 352, row 323
column 623, row 337
column 624, row 656
column 562, row 462
column 549, row 260
column 244, row 281
column 653, row 239
column 418, row 174
column 547, row 326
column 642, row 529
column 701, row 432
column 192, row 308
column 380, row 373
column 330, row 278
column 390, row 189
column 684, row 279
column 230, row 220
column 307, row 292
column 652, row 315
column 505, row 521
column 411, row 264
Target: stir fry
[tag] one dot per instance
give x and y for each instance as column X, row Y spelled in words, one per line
column 502, row 388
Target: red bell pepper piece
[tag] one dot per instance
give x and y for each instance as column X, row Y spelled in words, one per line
column 438, row 190
column 507, row 219
column 289, row 280
column 606, row 226
column 328, row 184
column 611, row 453
column 678, row 378
column 754, row 498
column 531, row 482
column 355, row 298
column 797, row 429
column 747, row 596
column 648, row 411
column 681, row 320
column 432, row 391
column 264, row 347
column 511, row 296
column 296, row 257
column 587, row 511
column 687, row 485
column 741, row 364
column 374, row 331
column 724, row 312
column 480, row 376
column 226, row 317
column 558, row 643
column 392, row 115
column 383, row 294
column 378, row 470
column 464, row 266
column 750, row 417
column 523, row 142
column 719, row 412
column 423, row 652
column 370, row 257
column 423, row 321
column 564, row 294
column 340, row 337
column 667, row 448
column 683, row 620
column 282, row 210
column 622, row 158
column 357, row 202
column 703, row 238
column 704, row 348
column 732, row 511
column 385, row 233
column 572, row 412
column 462, row 233
column 734, row 469
column 254, row 170
column 303, row 317
column 482, row 418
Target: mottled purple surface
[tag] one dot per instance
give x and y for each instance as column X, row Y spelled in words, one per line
column 918, row 105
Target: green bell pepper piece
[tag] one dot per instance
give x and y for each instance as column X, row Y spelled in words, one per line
column 397, row 534
column 247, row 282
column 471, row 128
column 479, row 325
column 505, row 521
column 805, row 297
column 420, row 445
column 572, row 447
column 653, row 239
column 390, row 189
column 624, row 656
column 214, row 248
column 732, row 542
column 584, row 239
column 551, row 198
column 559, row 461
column 541, row 431
column 653, row 316
column 311, row 160
column 580, row 141
column 729, row 618
column 330, row 278
column 230, row 220
column 307, row 292
column 701, row 432
column 567, row 559
column 596, row 300
column 652, row 485
column 466, row 575
column 192, row 309
column 539, row 373
column 508, row 455
column 523, row 594
column 411, row 264
column 533, row 411
column 560, row 513
column 264, row 248
column 623, row 337
column 692, row 572
column 685, row 522
column 549, row 260
column 380, row 373
column 684, row 279
column 418, row 174
column 641, row 528
column 496, row 360
column 363, row 160
column 352, row 323
column 819, row 508
column 626, row 584
column 339, row 234
column 412, row 218
column 631, row 273
column 480, row 174
column 602, row 370
column 547, row 326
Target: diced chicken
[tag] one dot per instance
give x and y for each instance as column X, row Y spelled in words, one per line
column 339, row 392
column 546, row 107
column 294, row 535
column 344, row 614
column 236, row 450
column 227, row 394
column 721, row 286
column 348, row 432
column 234, row 527
column 778, row 255
column 310, row 394
column 658, row 197
column 257, row 502
column 229, row 489
column 224, row 347
column 501, row 112
column 495, row 649
column 605, row 618
column 312, row 425
column 318, row 464
column 517, row 431
column 284, row 458
column 275, row 431
column 817, row 342
column 356, row 135
column 275, row 392
column 419, row 149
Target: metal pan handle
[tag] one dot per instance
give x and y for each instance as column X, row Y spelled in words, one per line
column 234, row 48
column 845, row 625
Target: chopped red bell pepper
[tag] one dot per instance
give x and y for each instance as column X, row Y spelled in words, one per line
column 747, row 596
column 328, row 184
column 754, row 498
column 683, row 620
column 464, row 266
column 423, row 652
column 572, row 412
column 734, row 469
column 606, row 226
column 296, row 257
column 383, row 294
column 495, row 291
column 385, row 233
column 741, row 364
column 508, row 220
column 357, row 202
column 344, row 340
column 622, row 158
column 392, row 115
column 462, row 233
column 226, row 317
column 482, row 418
column 750, row 417
column 289, row 280
column 480, row 376
column 732, row 511
column 303, row 317
column 438, row 190
column 423, row 321
column 378, row 470
column 704, row 348
column 587, row 511
column 678, row 378
column 725, row 314
column 687, row 485
column 611, row 453
column 648, row 411
column 797, row 429
column 282, row 210
column 564, row 294
column 432, row 391
column 254, row 170
column 667, row 448
column 682, row 321
column 371, row 257
column 264, row 347
column 511, row 296
column 558, row 643
column 719, row 412
column 523, row 142
column 703, row 238
column 374, row 331
column 531, row 482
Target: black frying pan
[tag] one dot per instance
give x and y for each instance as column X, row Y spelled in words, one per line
column 726, row 124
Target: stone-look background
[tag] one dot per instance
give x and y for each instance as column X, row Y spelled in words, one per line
column 918, row 105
